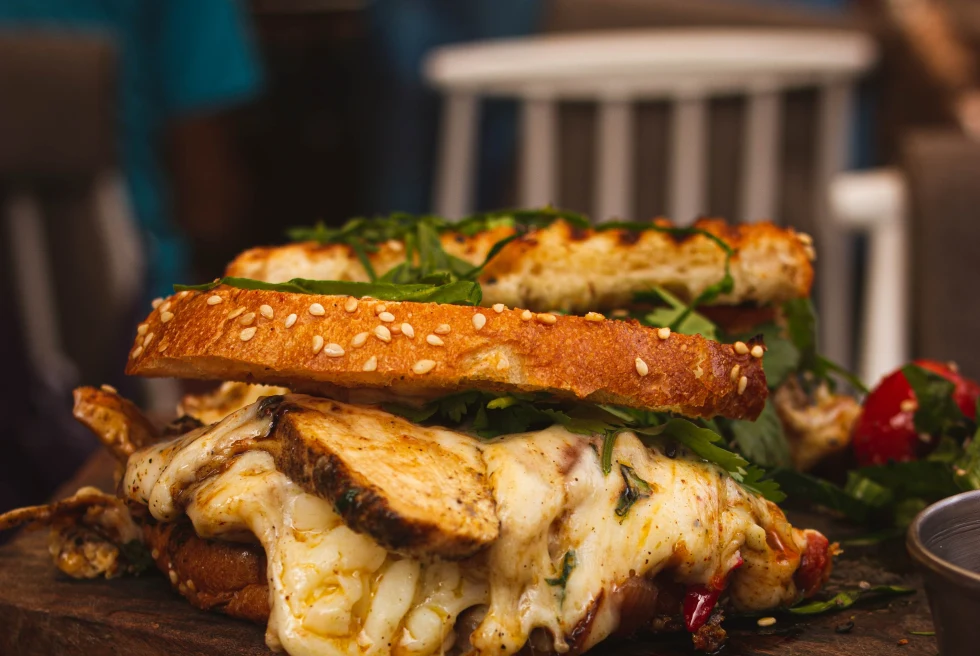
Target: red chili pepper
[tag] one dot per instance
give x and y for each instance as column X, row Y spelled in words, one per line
column 698, row 603
column 700, row 600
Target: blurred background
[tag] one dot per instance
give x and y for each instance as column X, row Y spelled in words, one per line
column 143, row 144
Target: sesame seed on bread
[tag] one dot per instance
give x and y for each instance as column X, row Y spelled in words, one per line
column 575, row 270
column 326, row 344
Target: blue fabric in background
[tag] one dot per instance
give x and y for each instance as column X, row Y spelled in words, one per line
column 402, row 155
column 177, row 58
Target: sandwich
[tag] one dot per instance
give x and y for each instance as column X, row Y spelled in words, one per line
column 392, row 467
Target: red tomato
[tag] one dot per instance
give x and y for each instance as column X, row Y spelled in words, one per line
column 886, row 429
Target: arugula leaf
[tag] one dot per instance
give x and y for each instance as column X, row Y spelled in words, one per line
column 922, row 479
column 456, row 293
column 634, row 489
column 801, row 326
column 528, row 218
column 821, row 492
column 937, row 411
column 966, row 469
column 700, row 441
column 848, row 598
column 864, row 489
column 759, row 481
column 906, row 510
column 568, row 563
column 763, row 441
column 676, row 315
column 608, row 442
column 489, row 415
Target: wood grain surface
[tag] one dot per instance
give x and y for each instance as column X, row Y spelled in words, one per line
column 44, row 612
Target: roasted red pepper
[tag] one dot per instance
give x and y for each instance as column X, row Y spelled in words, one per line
column 700, row 600
column 698, row 603
column 886, row 428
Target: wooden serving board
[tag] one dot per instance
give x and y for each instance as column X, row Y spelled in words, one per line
column 43, row 612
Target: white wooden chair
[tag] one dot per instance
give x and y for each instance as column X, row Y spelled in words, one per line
column 686, row 67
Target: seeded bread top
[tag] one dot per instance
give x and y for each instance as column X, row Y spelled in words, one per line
column 329, row 344
column 561, row 267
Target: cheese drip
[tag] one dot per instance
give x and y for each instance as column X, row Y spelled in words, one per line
column 335, row 591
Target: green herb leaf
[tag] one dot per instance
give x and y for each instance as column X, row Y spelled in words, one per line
column 937, row 411
column 966, row 469
column 801, row 326
column 923, row 479
column 608, row 442
column 568, row 563
column 759, row 481
column 927, row 634
column 676, row 315
column 848, row 598
column 529, row 218
column 799, row 485
column 763, row 441
column 700, row 441
column 868, row 491
column 455, row 293
column 634, row 489
column 489, row 415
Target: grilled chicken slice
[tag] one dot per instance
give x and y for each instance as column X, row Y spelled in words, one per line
column 117, row 422
column 367, row 463
column 90, row 533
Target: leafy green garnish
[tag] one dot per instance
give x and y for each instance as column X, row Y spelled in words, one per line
column 848, row 598
column 927, row 634
column 801, row 326
column 704, row 443
column 488, row 415
column 937, row 412
column 676, row 314
column 457, row 293
column 762, row 441
column 634, row 489
column 800, row 485
column 568, row 563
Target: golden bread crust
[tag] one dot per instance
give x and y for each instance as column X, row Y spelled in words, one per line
column 452, row 348
column 228, row 577
column 573, row 270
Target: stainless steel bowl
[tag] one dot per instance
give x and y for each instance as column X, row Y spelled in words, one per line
column 944, row 541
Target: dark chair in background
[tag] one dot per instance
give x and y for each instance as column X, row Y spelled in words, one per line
column 71, row 260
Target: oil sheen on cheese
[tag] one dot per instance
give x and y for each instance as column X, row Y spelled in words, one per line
column 335, row 591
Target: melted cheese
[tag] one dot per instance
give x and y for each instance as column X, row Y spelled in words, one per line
column 334, row 591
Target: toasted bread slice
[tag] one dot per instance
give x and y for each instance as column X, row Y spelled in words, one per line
column 326, row 343
column 573, row 270
column 367, row 463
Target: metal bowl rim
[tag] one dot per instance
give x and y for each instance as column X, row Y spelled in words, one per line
column 957, row 575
